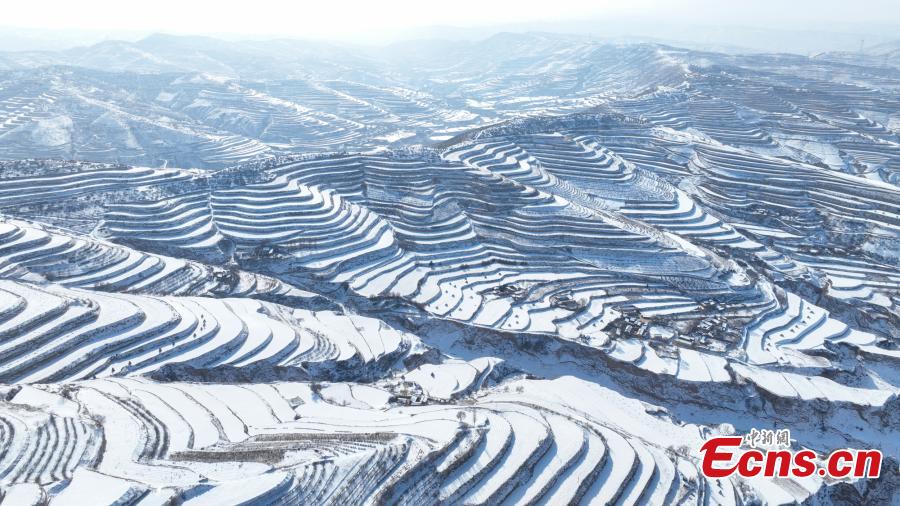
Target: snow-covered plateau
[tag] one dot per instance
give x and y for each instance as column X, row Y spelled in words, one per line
column 535, row 269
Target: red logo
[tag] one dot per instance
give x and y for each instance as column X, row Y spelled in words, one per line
column 723, row 457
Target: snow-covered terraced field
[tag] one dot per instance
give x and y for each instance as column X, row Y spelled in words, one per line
column 547, row 233
column 534, row 269
column 282, row 443
column 41, row 253
column 54, row 334
column 29, row 190
column 534, row 232
column 463, row 242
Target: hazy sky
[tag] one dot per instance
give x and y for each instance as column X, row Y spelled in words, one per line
column 800, row 26
column 340, row 18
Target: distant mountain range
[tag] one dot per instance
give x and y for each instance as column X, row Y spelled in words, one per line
column 203, row 102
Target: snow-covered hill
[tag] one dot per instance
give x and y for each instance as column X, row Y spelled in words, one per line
column 194, row 102
column 531, row 270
